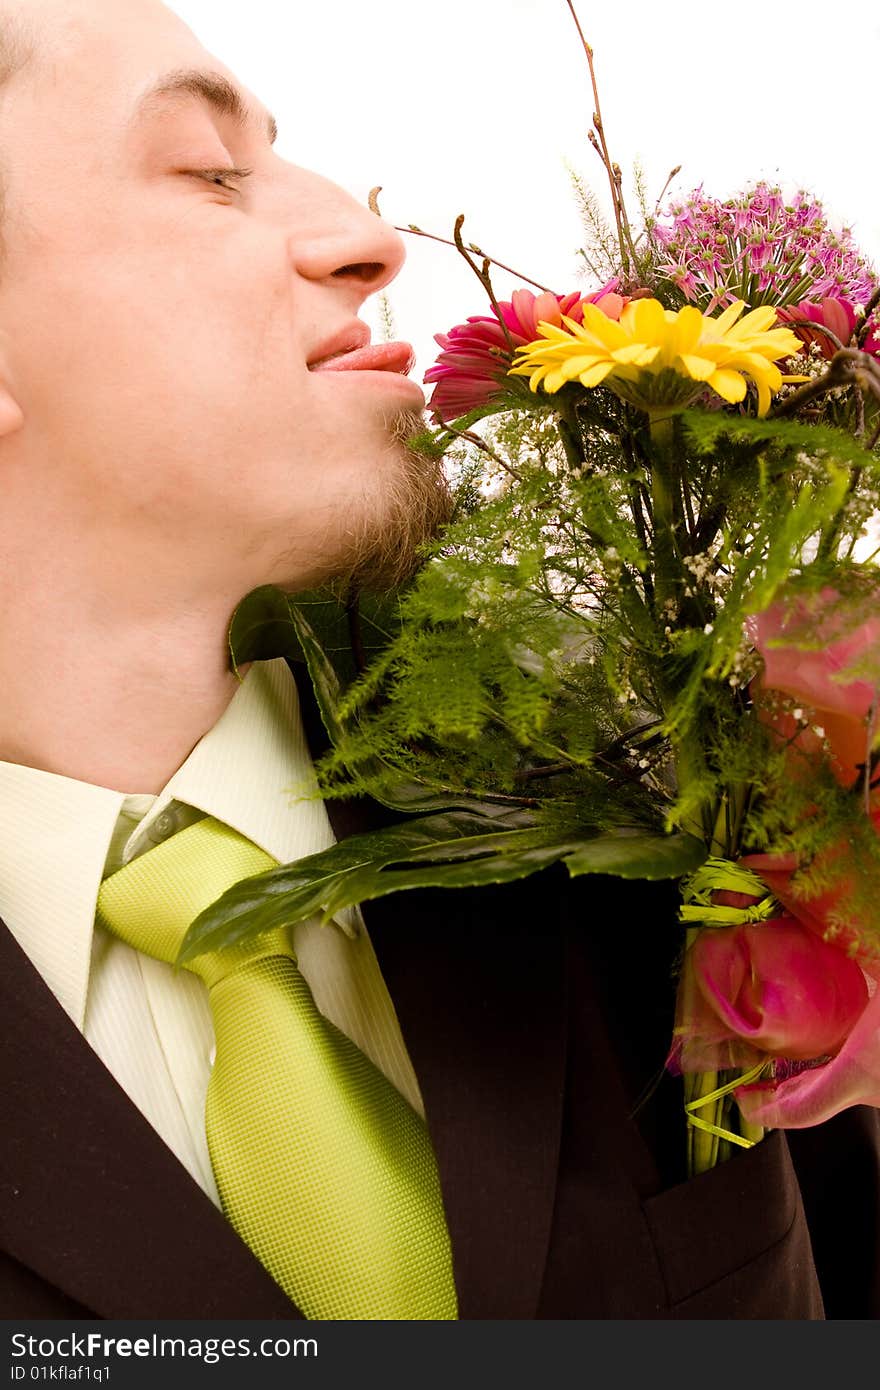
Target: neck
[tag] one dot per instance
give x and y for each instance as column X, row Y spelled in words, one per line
column 112, row 685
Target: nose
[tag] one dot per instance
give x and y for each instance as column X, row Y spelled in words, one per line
column 342, row 243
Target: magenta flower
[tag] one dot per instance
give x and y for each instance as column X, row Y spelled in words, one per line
column 471, row 370
column 808, row 1097
column 828, row 915
column 810, row 644
column 762, row 991
column 836, row 314
column 826, row 708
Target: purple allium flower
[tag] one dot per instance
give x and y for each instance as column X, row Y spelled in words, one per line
column 760, row 248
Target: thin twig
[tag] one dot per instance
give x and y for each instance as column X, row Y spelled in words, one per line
column 479, row 442
column 672, row 174
column 533, row 774
column 844, row 369
column 820, row 327
column 483, row 277
column 866, row 324
column 355, row 634
column 860, row 416
column 413, row 230
column 620, row 217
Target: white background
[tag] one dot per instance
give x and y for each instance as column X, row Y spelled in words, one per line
column 474, row 105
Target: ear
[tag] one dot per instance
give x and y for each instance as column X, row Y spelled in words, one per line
column 11, row 413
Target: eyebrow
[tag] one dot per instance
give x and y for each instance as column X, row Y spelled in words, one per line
column 210, row 87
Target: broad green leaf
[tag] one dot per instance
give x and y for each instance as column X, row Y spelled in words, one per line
column 262, row 628
column 519, row 862
column 627, row 854
column 419, row 797
column 291, row 892
column 323, row 676
column 458, row 849
column 376, row 621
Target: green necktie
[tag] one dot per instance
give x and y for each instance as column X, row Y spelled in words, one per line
column 322, row 1167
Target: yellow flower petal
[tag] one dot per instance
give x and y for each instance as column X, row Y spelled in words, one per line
column 643, row 320
column 685, row 332
column 725, row 321
column 595, row 375
column 756, row 321
column 636, row 353
column 700, row 368
column 729, row 385
column 655, row 355
column 600, row 327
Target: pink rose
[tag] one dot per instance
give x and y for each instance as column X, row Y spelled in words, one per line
column 828, row 913
column 815, row 677
column 816, row 673
column 852, row 1077
column 765, row 990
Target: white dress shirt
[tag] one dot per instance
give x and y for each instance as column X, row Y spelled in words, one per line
column 149, row 1024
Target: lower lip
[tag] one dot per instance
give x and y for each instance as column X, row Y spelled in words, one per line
column 385, row 363
column 391, row 382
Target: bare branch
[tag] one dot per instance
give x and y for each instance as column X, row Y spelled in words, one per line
column 413, row 230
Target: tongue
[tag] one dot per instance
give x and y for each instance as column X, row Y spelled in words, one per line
column 379, row 357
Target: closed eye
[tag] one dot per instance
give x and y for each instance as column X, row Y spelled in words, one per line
column 220, row 176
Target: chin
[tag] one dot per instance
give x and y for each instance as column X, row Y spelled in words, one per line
column 409, row 504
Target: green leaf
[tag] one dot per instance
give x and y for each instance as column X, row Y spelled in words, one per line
column 323, row 676
column 519, row 861
column 262, row 628
column 267, row 624
column 706, row 427
column 455, row 850
column 377, row 622
column 628, row 854
column 291, row 892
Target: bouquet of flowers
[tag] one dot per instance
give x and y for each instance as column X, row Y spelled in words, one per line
column 648, row 645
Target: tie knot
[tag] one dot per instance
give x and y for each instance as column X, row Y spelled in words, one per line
column 151, row 902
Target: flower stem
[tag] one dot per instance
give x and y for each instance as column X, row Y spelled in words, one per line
column 667, row 575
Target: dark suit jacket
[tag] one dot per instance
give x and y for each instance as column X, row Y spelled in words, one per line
column 537, row 1014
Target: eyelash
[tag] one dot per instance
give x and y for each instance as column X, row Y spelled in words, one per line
column 218, row 176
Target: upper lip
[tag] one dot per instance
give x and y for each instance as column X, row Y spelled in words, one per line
column 348, row 339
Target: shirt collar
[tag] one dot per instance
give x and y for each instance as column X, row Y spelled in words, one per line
column 252, row 770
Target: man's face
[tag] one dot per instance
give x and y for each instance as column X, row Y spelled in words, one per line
column 158, row 327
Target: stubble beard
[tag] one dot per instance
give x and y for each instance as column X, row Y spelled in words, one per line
column 415, row 502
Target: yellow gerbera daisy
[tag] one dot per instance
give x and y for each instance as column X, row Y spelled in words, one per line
column 660, row 359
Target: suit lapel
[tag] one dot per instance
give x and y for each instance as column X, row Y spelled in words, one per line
column 479, row 995
column 91, row 1199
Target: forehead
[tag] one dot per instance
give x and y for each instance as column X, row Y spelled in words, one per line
column 106, row 67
